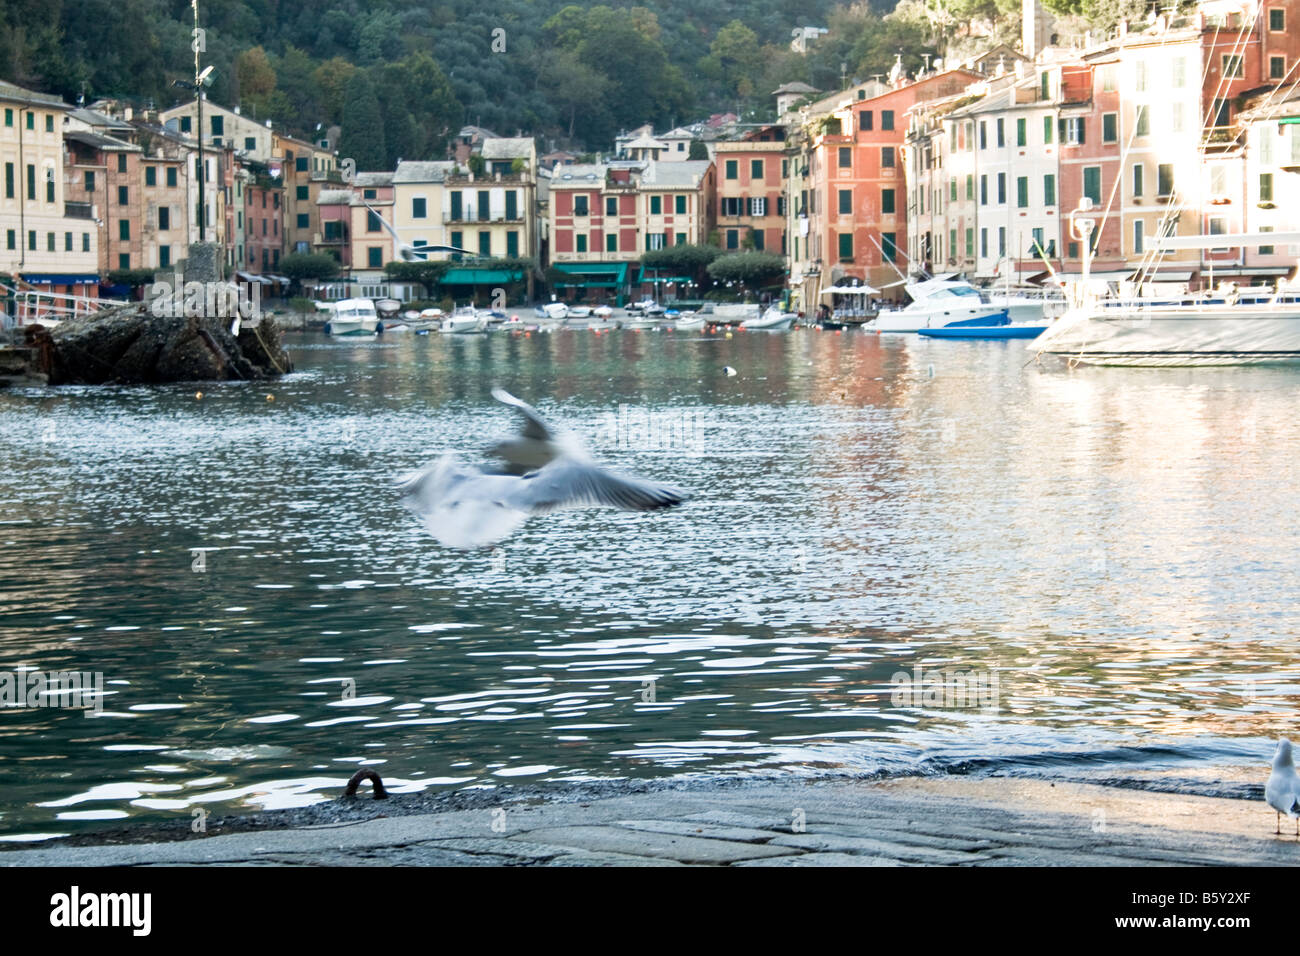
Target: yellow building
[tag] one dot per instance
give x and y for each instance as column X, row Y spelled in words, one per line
column 50, row 244
column 306, row 169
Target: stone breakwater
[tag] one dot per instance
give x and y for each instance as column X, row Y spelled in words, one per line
column 132, row 345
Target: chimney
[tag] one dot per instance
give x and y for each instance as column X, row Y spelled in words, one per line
column 237, row 109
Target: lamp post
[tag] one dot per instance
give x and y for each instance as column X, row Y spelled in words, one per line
column 202, row 78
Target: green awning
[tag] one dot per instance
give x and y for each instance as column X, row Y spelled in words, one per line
column 480, row 277
column 586, row 275
column 660, row 278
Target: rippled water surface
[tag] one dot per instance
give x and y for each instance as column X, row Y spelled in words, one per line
column 1116, row 548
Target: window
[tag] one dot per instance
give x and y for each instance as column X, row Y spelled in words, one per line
column 31, row 239
column 1049, row 190
column 302, row 193
column 1218, row 227
column 11, row 239
column 760, row 240
column 1140, row 76
column 970, row 187
column 458, row 241
column 1022, row 192
column 1047, row 131
column 887, row 202
column 484, row 205
column 1178, row 73
column 611, row 205
column 1002, row 132
column 1110, row 127
column 1266, row 250
column 1164, row 180
column 171, row 177
column 250, row 144
column 984, row 190
column 124, row 229
column 846, row 202
column 952, row 243
column 970, row 243
column 31, row 181
column 889, row 246
column 1002, row 240
column 1002, row 188
column 580, row 205
column 164, row 256
column 49, row 122
column 374, row 257
column 1022, row 132
column 733, row 169
column 186, row 124
column 49, row 242
column 731, row 205
column 758, row 206
column 512, row 204
column 1143, row 122
column 1138, row 173
column 1266, row 187
column 1276, row 67
column 846, row 157
column 124, row 260
column 300, row 164
column 512, row 244
column 218, row 126
column 164, row 218
column 582, row 242
column 1073, row 131
column 49, row 185
column 952, row 189
column 457, row 208
column 1092, row 183
column 419, row 207
column 67, row 242
column 611, row 242
column 984, row 243
column 1277, row 19
column 9, row 117
column 1139, row 233
column 304, row 220
column 887, row 157
column 887, row 119
column 485, row 243
column 31, row 120
column 373, row 223
column 679, row 205
column 85, row 242
column 846, row 246
column 151, row 175
column 733, row 239
column 656, row 206
column 89, row 181
column 755, row 169
column 123, row 196
column 1176, row 117
column 121, row 162
column 865, row 121
column 984, row 135
column 1232, row 66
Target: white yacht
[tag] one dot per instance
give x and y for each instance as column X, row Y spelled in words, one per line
column 937, row 303
column 464, row 321
column 352, row 317
column 773, row 320
column 1227, row 326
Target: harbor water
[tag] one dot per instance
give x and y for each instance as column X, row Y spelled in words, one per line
column 1101, row 563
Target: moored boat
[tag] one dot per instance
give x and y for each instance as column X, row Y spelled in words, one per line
column 350, row 317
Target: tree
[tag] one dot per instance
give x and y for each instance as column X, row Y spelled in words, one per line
column 698, row 150
column 684, row 260
column 735, row 57
column 255, row 78
column 331, row 80
column 363, row 125
column 309, row 265
column 748, row 269
column 425, row 274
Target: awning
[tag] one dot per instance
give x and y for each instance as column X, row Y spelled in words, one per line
column 850, row 290
column 587, row 275
column 480, row 277
column 658, row 278
column 1163, row 275
column 1264, row 271
column 58, row 279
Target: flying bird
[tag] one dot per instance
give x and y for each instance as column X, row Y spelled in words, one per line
column 544, row 470
column 409, row 252
column 1282, row 792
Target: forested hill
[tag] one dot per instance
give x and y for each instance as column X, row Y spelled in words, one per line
column 401, row 74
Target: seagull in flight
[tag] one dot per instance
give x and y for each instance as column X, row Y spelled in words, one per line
column 544, row 470
column 1282, row 792
column 408, row 252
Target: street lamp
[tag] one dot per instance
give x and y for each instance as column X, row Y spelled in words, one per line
column 202, row 79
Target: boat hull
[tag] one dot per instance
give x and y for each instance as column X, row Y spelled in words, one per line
column 985, row 332
column 909, row 320
column 1172, row 336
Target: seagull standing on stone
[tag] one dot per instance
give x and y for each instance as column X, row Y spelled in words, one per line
column 1282, row 792
column 545, row 470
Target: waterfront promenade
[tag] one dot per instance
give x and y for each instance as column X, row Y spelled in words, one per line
column 949, row 821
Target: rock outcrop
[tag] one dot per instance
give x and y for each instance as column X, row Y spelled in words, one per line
column 130, row 344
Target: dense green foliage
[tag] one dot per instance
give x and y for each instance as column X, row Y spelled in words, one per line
column 747, row 269
column 565, row 72
column 309, row 265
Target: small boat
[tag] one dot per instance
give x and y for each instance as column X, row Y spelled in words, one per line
column 940, row 302
column 352, row 317
column 1009, row 331
column 579, row 312
column 387, row 307
column 645, row 307
column 690, row 322
column 602, row 312
column 773, row 320
column 465, row 321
